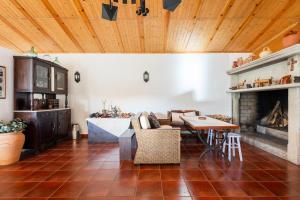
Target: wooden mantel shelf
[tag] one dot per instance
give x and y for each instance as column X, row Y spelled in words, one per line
column 266, row 88
column 267, row 60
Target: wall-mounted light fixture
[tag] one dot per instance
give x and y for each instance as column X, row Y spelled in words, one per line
column 77, row 77
column 146, row 76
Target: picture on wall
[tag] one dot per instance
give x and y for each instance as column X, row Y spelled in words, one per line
column 2, row 82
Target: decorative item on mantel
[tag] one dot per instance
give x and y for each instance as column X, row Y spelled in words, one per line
column 241, row 85
column 297, row 79
column 266, row 51
column 286, row 79
column 241, row 61
column 263, row 82
column 250, row 58
column 291, row 38
column 291, row 64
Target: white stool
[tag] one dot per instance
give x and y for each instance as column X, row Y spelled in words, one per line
column 233, row 143
column 211, row 135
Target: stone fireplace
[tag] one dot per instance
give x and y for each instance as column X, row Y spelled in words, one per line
column 255, row 106
column 250, row 106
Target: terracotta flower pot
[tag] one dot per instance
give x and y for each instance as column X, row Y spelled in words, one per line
column 290, row 39
column 11, row 145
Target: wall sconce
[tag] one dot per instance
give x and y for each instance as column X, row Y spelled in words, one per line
column 146, row 76
column 77, row 77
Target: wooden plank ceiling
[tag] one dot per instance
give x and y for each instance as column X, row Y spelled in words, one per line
column 72, row 26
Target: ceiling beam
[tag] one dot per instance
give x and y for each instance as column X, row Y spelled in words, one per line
column 88, row 24
column 40, row 28
column 198, row 8
column 25, row 37
column 11, row 44
column 62, row 24
column 277, row 17
column 221, row 18
column 166, row 16
column 243, row 25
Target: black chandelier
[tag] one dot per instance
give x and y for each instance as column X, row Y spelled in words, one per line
column 109, row 11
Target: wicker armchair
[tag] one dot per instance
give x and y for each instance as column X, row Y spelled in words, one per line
column 156, row 146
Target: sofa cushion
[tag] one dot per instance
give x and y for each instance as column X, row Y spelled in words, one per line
column 176, row 117
column 177, row 123
column 190, row 114
column 145, row 124
column 153, row 121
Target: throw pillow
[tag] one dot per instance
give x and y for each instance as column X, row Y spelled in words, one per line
column 176, row 117
column 153, row 121
column 144, row 122
column 190, row 114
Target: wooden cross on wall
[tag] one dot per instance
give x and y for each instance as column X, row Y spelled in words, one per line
column 292, row 63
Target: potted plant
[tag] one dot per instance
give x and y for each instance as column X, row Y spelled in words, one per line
column 11, row 141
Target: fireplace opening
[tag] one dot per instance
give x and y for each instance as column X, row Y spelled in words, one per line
column 265, row 113
column 263, row 119
column 272, row 109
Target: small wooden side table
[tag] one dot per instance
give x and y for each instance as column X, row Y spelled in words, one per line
column 128, row 145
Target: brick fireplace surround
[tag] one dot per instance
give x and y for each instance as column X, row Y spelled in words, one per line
column 244, row 101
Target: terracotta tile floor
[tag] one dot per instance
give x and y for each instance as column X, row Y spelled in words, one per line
column 78, row 170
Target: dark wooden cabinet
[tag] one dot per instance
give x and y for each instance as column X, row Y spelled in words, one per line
column 39, row 76
column 37, row 83
column 45, row 128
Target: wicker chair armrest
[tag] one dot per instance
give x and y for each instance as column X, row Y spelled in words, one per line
column 161, row 133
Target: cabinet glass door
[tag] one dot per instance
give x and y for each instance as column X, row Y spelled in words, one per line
column 60, row 81
column 42, row 76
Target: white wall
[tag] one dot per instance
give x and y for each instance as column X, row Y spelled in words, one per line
column 6, row 105
column 177, row 81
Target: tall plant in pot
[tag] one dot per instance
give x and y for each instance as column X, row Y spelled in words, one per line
column 11, row 141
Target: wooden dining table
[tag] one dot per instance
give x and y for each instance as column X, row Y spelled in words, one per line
column 199, row 124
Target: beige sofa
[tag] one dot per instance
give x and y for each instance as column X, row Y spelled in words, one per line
column 156, row 146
